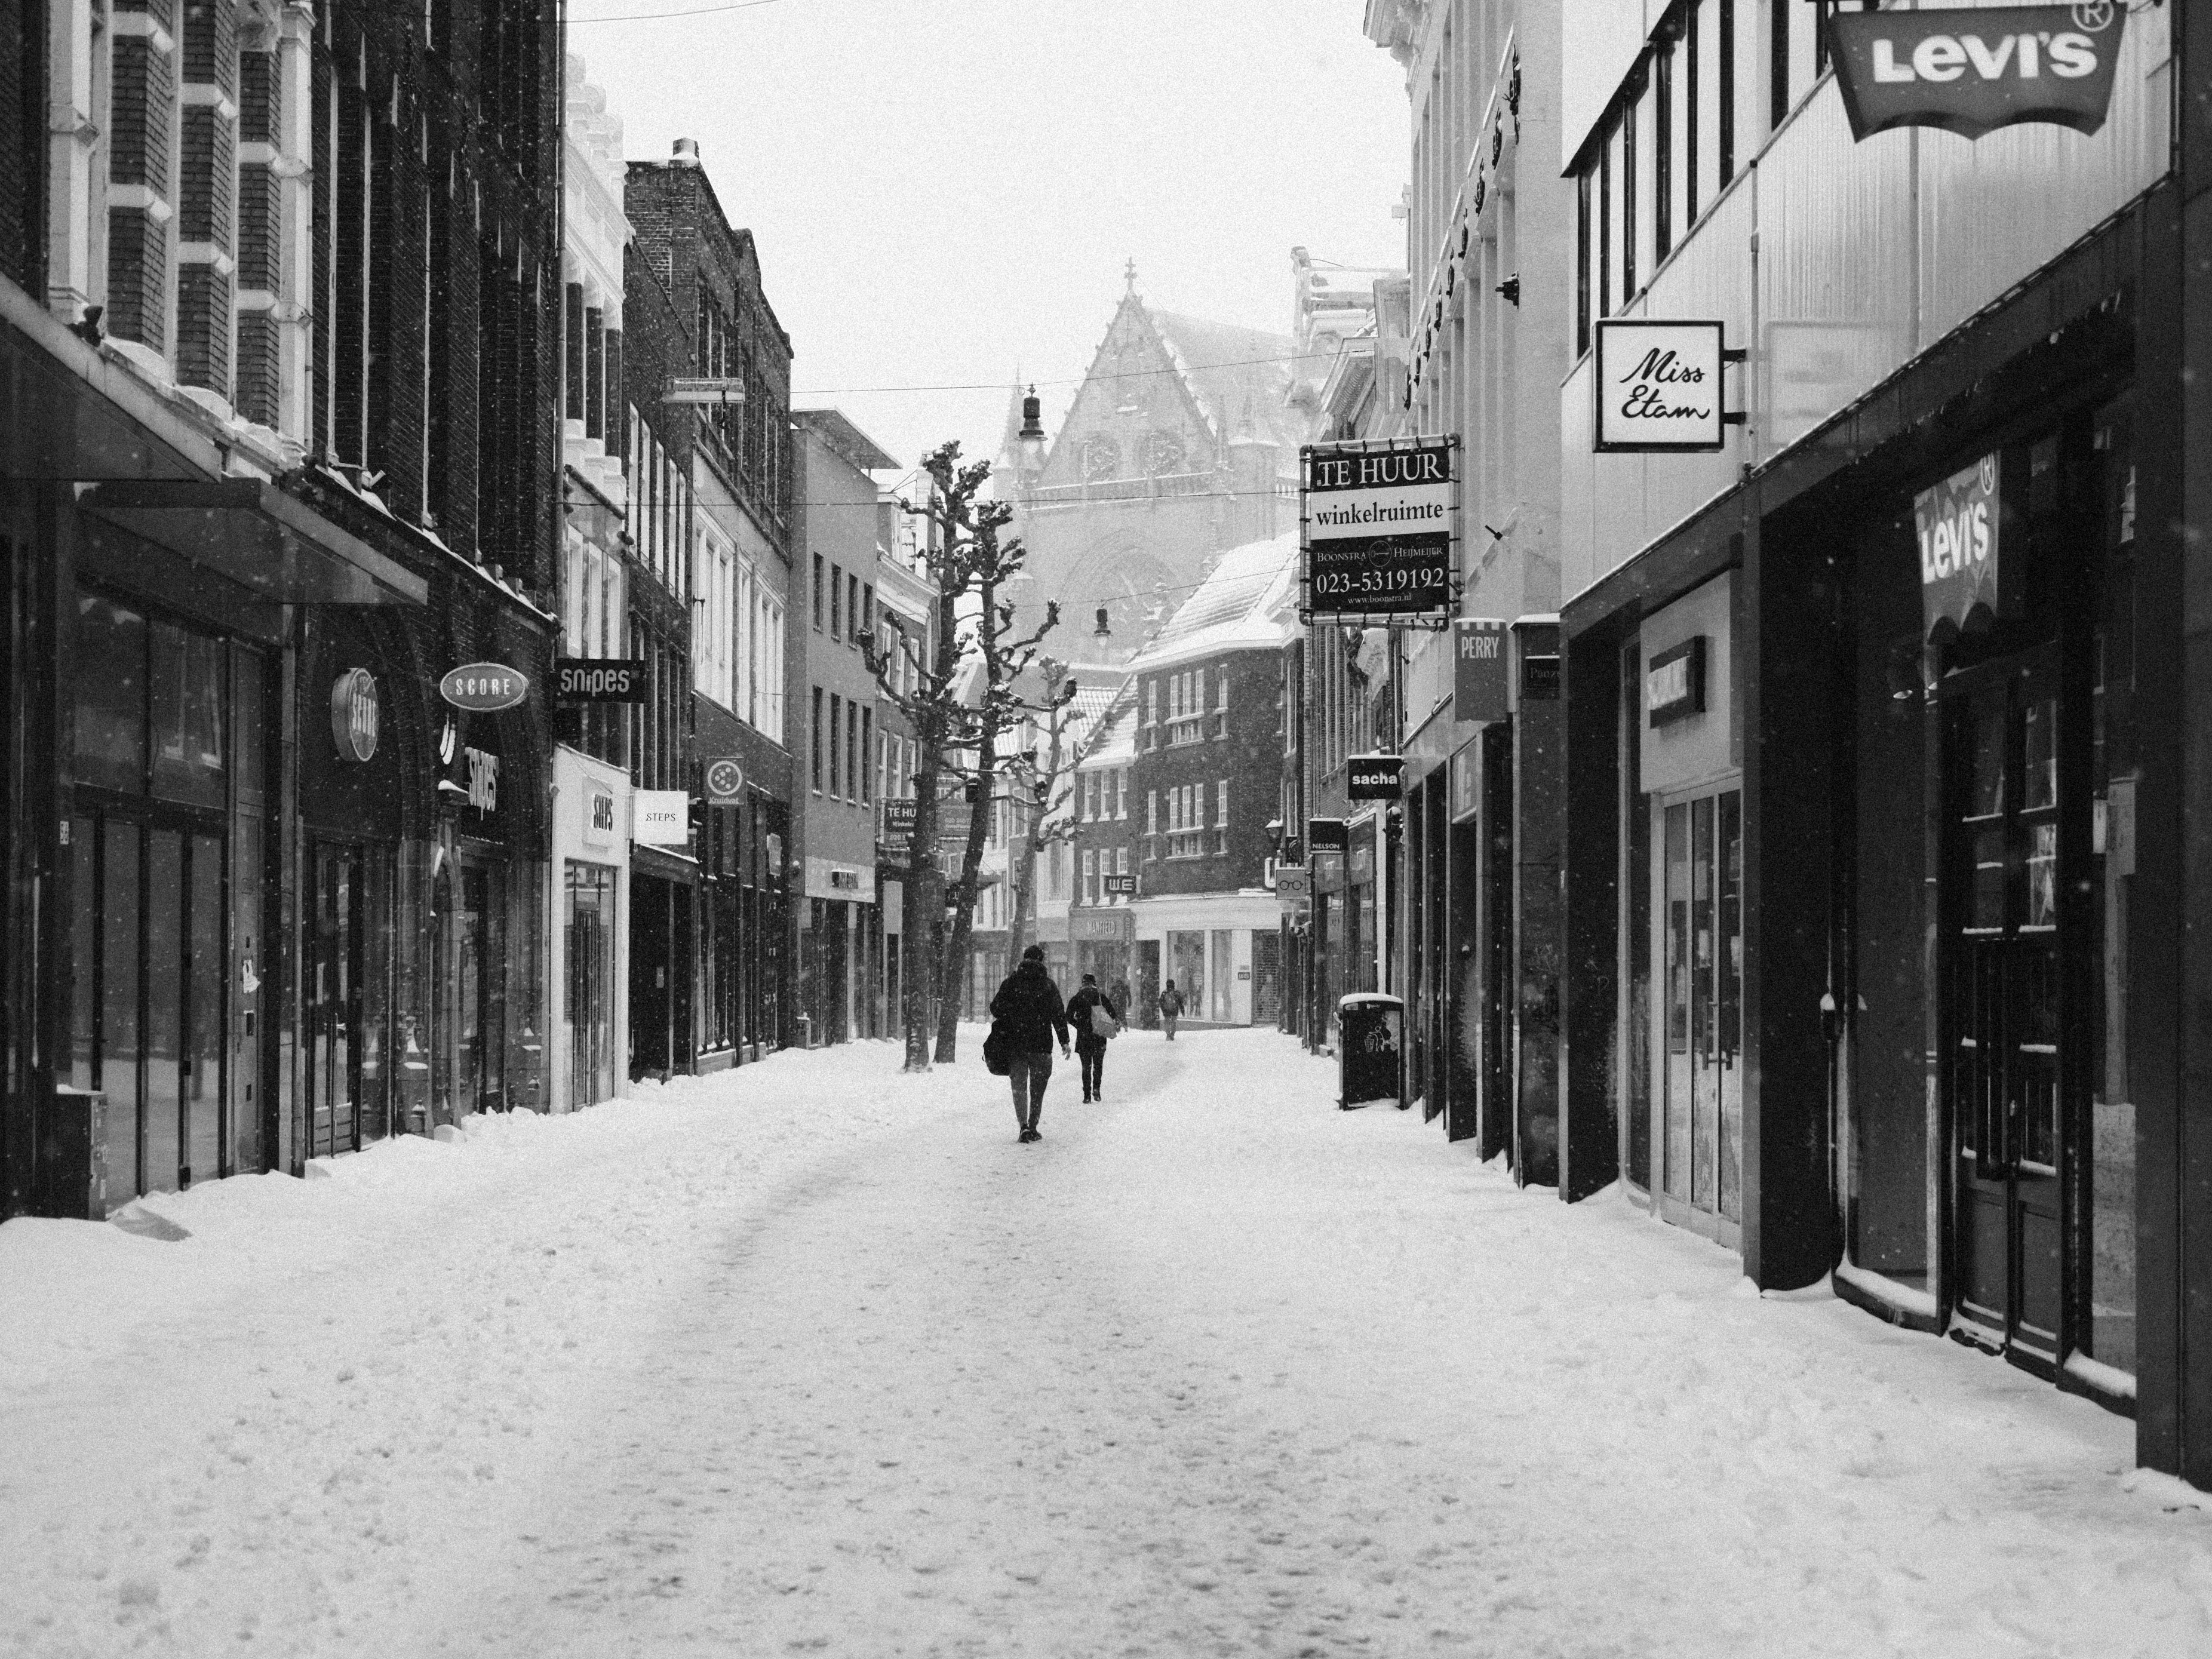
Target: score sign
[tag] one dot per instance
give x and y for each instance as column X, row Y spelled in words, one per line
column 484, row 687
column 1377, row 522
column 1658, row 386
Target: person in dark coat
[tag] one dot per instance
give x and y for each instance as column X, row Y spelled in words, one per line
column 1171, row 1008
column 1082, row 1008
column 1117, row 994
column 1028, row 1010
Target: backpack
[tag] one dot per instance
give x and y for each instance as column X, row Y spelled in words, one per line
column 997, row 1052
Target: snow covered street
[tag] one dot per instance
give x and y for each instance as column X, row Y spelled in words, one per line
column 814, row 1358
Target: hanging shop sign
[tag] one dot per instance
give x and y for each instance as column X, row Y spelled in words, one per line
column 484, row 688
column 1325, row 833
column 1970, row 70
column 1658, row 386
column 353, row 714
column 1374, row 777
column 1376, row 528
column 598, row 813
column 895, row 829
column 1112, row 884
column 1466, row 781
column 661, row 817
column 1961, row 551
column 1293, row 881
column 725, row 780
column 1479, row 669
column 600, row 679
column 1674, row 683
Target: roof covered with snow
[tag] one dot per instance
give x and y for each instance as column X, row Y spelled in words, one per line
column 1248, row 603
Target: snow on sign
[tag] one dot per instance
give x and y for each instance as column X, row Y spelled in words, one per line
column 1658, row 385
column 1973, row 70
column 1376, row 520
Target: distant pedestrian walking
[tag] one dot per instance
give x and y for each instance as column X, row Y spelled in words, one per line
column 1094, row 1017
column 1171, row 1008
column 1026, row 1015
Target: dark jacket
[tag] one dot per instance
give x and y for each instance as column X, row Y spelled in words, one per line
column 1078, row 1012
column 1172, row 1001
column 1028, row 1010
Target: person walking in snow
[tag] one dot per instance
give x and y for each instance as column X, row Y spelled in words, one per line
column 1028, row 1011
column 1087, row 1012
column 1171, row 1008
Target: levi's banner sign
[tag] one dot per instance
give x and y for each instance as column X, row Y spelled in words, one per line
column 600, row 679
column 1658, row 385
column 1972, row 70
column 1962, row 557
column 1377, row 528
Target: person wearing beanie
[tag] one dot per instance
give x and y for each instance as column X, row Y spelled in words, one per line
column 1029, row 1013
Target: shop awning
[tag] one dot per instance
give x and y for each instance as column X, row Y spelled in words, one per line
column 66, row 412
column 251, row 532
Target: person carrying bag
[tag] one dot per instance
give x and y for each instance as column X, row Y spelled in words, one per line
column 1092, row 1016
column 1025, row 1016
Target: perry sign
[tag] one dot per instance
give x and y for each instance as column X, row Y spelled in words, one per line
column 1972, row 70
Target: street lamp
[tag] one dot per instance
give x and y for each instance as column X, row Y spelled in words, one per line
column 1031, row 436
column 1101, row 631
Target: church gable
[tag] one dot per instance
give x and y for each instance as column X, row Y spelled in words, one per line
column 1135, row 415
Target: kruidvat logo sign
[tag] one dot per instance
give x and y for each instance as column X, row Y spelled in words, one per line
column 1972, row 70
column 1961, row 555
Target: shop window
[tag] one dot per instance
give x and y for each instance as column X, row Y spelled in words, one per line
column 110, row 673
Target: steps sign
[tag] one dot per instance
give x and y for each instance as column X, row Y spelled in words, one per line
column 725, row 783
column 484, row 688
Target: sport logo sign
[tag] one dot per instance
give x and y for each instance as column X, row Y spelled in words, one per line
column 1972, row 70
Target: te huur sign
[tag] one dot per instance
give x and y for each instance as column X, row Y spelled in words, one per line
column 1377, row 522
column 1481, row 671
column 1658, row 386
column 1374, row 777
column 1972, row 70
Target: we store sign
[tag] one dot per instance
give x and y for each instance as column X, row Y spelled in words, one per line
column 1658, row 385
column 1972, row 70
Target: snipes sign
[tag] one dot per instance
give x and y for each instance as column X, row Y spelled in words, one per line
column 1972, row 70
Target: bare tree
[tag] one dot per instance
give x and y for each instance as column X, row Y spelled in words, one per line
column 1005, row 657
column 1045, row 826
column 923, row 683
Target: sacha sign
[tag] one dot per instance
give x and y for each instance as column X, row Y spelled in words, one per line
column 1972, row 70
column 1961, row 555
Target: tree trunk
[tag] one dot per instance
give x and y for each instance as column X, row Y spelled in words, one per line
column 958, row 955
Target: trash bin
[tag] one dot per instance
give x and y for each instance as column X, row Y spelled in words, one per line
column 1370, row 1049
column 72, row 1172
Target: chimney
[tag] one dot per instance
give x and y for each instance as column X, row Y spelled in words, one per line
column 687, row 153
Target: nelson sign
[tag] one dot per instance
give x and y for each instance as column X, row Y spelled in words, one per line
column 1972, row 70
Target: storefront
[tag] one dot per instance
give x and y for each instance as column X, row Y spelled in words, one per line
column 1101, row 939
column 840, row 937
column 1867, row 808
column 590, row 940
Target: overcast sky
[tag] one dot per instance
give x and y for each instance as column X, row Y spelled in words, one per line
column 945, row 191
